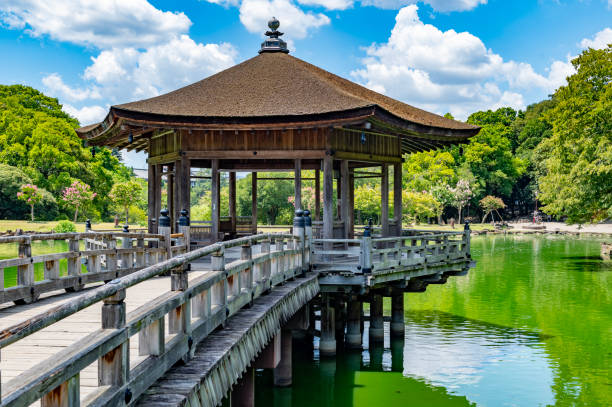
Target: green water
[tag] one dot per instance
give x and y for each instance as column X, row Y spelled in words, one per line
column 10, row 251
column 531, row 325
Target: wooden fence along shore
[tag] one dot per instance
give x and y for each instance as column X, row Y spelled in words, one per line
column 168, row 327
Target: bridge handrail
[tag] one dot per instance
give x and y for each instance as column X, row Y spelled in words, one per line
column 60, row 372
column 106, row 255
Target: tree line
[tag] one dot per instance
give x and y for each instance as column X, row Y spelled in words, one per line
column 556, row 153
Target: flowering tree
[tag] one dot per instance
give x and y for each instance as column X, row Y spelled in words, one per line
column 125, row 194
column 489, row 204
column 308, row 199
column 77, row 195
column 29, row 194
column 461, row 194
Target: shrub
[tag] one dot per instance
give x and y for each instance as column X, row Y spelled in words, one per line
column 65, row 226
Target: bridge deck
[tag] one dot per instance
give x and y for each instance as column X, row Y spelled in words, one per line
column 28, row 352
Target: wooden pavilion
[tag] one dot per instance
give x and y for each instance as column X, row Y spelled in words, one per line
column 274, row 112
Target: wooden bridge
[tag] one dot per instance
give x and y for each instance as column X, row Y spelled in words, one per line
column 144, row 320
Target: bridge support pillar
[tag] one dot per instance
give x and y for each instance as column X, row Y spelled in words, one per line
column 397, row 314
column 283, row 372
column 377, row 330
column 327, row 345
column 243, row 395
column 353, row 326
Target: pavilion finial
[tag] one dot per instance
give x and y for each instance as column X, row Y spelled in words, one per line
column 274, row 44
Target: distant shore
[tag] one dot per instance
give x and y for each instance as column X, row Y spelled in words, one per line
column 557, row 228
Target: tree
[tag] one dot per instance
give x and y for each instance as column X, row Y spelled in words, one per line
column 423, row 171
column 419, row 206
column 11, row 207
column 461, row 194
column 367, row 203
column 77, row 195
column 125, row 194
column 30, row 194
column 577, row 180
column 39, row 139
column 489, row 204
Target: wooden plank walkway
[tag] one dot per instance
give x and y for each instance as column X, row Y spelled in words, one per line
column 28, row 352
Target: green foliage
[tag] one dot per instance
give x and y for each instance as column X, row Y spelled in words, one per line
column 126, row 194
column 489, row 204
column 37, row 137
column 426, row 170
column 65, row 226
column 11, row 180
column 578, row 167
column 419, row 206
column 367, row 203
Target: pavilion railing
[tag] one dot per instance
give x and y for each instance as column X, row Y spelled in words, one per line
column 383, row 255
column 90, row 257
column 193, row 310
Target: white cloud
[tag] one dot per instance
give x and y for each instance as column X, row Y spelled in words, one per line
column 254, row 15
column 601, row 39
column 328, row 4
column 126, row 74
column 87, row 114
column 102, row 24
column 449, row 70
column 56, row 86
column 438, row 5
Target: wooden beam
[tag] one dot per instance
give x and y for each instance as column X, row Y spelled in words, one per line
column 151, row 197
column 343, row 155
column 351, row 205
column 384, row 196
column 170, row 197
column 257, row 154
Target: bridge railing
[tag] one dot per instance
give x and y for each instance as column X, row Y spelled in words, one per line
column 90, row 257
column 381, row 255
column 192, row 309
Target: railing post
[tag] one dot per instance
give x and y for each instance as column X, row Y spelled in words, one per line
column 74, row 264
column 184, row 228
column 307, row 239
column 140, row 255
column 114, row 367
column 126, row 243
column 299, row 233
column 111, row 259
column 217, row 262
column 267, row 265
column 246, row 253
column 366, row 250
column 466, row 236
column 165, row 230
column 25, row 273
column 66, row 394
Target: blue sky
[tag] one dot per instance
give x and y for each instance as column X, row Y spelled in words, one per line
column 441, row 55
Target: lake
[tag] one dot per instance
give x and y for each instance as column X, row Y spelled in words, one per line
column 531, row 325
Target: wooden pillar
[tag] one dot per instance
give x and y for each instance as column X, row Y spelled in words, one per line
column 328, row 202
column 327, row 344
column 158, row 195
column 397, row 197
column 298, row 184
column 232, row 200
column 283, row 372
column 344, row 196
column 351, row 204
column 243, row 394
column 214, row 198
column 377, row 330
column 254, row 203
column 384, row 196
column 151, row 197
column 114, row 366
column 170, row 193
column 353, row 325
column 317, row 208
column 397, row 314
